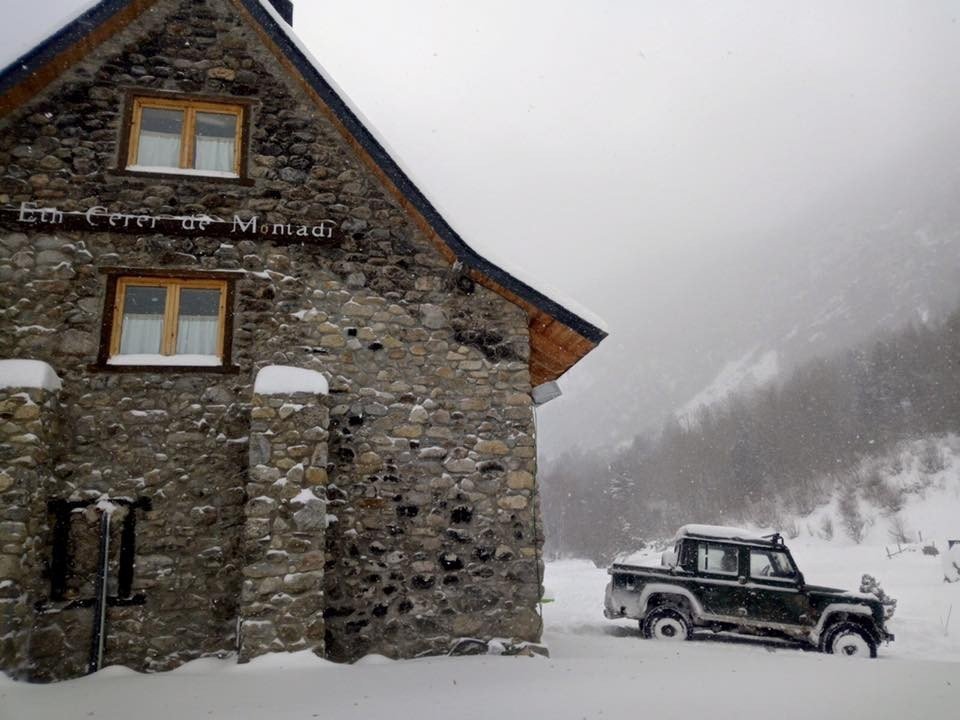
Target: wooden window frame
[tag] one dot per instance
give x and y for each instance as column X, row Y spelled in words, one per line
column 171, row 315
column 190, row 107
column 118, row 279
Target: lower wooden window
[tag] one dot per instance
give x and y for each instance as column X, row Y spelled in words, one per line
column 168, row 321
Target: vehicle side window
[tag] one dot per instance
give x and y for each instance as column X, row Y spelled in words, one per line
column 723, row 559
column 772, row 564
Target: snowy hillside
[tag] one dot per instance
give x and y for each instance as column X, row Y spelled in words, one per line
column 912, row 494
column 752, row 370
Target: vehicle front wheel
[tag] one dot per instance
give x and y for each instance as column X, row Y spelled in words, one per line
column 849, row 640
column 665, row 624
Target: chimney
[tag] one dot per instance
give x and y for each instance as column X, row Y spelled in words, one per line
column 285, row 8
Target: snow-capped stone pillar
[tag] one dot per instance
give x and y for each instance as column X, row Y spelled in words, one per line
column 28, row 409
column 281, row 605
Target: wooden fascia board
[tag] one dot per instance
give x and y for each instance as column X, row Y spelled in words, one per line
column 61, row 50
column 553, row 344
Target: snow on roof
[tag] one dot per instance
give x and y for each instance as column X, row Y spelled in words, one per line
column 41, row 26
column 720, row 531
column 546, row 289
column 285, row 380
column 28, row 374
column 518, row 273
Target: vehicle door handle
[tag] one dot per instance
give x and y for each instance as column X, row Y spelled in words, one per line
column 742, row 580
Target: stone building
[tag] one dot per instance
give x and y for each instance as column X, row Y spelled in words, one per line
column 258, row 395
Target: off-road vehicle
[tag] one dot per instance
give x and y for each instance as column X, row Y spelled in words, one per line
column 730, row 580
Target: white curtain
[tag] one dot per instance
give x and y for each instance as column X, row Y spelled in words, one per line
column 158, row 149
column 140, row 334
column 197, row 335
column 215, row 153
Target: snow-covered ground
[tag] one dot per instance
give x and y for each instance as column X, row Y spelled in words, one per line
column 597, row 669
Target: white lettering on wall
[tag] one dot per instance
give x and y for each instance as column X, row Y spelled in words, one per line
column 30, row 213
column 99, row 217
column 241, row 226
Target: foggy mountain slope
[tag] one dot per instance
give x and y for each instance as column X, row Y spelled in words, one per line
column 752, row 370
column 885, row 254
column 854, row 285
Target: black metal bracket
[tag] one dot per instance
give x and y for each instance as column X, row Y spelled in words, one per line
column 60, row 560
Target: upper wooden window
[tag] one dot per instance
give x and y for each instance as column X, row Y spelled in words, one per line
column 168, row 321
column 185, row 136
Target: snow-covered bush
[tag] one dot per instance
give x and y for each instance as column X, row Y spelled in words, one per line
column 826, row 528
column 850, row 516
column 791, row 528
column 870, row 585
column 898, row 531
column 878, row 491
column 932, row 458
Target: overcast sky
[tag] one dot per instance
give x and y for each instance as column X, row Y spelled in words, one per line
column 610, row 146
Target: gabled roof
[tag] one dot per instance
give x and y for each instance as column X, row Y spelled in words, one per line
column 559, row 337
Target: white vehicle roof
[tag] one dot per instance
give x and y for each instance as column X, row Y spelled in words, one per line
column 721, row 532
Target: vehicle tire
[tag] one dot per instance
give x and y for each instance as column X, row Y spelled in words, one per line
column 664, row 623
column 848, row 639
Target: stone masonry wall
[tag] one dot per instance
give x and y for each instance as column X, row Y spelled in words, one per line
column 27, row 424
column 432, row 455
column 281, row 607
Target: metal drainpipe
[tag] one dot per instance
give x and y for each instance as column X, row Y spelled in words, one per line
column 534, row 496
column 100, row 596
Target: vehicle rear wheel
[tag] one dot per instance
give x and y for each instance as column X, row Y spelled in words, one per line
column 849, row 640
column 665, row 623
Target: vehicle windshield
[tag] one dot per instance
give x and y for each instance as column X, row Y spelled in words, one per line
column 774, row 564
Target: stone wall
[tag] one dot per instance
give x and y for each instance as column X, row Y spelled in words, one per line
column 27, row 425
column 432, row 456
column 281, row 607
